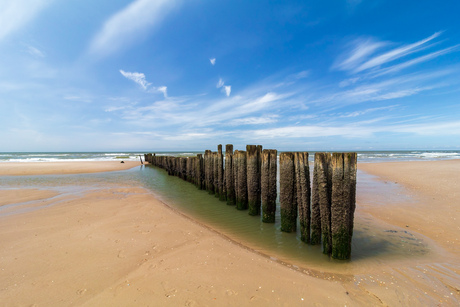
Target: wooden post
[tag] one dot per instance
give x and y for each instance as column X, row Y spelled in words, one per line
column 235, row 173
column 268, row 185
column 253, row 178
column 322, row 197
column 229, row 181
column 343, row 203
column 241, row 186
column 183, row 168
column 288, row 201
column 302, row 170
column 220, row 173
column 199, row 172
column 208, row 171
column 215, row 171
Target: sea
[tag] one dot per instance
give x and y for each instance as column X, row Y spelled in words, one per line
column 363, row 156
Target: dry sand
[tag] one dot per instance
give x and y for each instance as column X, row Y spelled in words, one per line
column 119, row 246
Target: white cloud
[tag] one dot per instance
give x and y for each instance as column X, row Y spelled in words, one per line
column 213, row 61
column 254, row 120
column 348, row 82
column 35, row 52
column 140, row 79
column 220, row 83
column 362, row 56
column 14, row 14
column 137, row 77
column 361, row 50
column 129, row 25
column 418, row 60
column 395, row 54
column 228, row 90
column 163, row 89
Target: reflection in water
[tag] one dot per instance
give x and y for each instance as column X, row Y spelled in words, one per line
column 373, row 243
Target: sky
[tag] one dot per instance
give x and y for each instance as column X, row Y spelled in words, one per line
column 155, row 75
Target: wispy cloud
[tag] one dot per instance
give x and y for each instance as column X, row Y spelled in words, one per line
column 129, row 25
column 228, row 90
column 255, row 120
column 213, row 61
column 35, row 52
column 362, row 56
column 137, row 77
column 140, row 79
column 360, row 50
column 14, row 14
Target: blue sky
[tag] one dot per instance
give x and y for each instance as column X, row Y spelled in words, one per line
column 157, row 75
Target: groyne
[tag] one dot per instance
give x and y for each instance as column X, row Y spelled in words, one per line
column 247, row 179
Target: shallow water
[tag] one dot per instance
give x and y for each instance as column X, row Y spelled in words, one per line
column 374, row 243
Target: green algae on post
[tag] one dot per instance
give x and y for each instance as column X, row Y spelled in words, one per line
column 322, row 197
column 343, row 200
column 302, row 172
column 241, row 182
column 253, row 178
column 229, row 178
column 268, row 185
column 220, row 174
column 288, row 201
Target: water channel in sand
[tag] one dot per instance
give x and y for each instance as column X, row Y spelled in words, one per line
column 374, row 242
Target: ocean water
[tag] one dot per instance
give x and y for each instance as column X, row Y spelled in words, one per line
column 363, row 156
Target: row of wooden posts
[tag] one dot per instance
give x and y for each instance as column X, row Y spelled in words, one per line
column 248, row 179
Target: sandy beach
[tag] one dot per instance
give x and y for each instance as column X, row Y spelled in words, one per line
column 121, row 246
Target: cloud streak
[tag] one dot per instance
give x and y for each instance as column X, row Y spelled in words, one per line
column 364, row 56
column 129, row 25
column 140, row 79
column 15, row 14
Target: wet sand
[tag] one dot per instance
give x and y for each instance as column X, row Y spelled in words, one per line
column 119, row 246
column 48, row 168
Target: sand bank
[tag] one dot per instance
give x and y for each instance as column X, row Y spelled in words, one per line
column 48, row 168
column 122, row 247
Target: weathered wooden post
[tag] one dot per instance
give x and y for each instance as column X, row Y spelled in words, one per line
column 215, row 173
column 253, row 178
column 235, row 173
column 288, row 200
column 302, row 171
column 229, row 181
column 268, row 185
column 199, row 172
column 343, row 203
column 183, row 168
column 241, row 186
column 220, row 173
column 322, row 197
column 208, row 171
